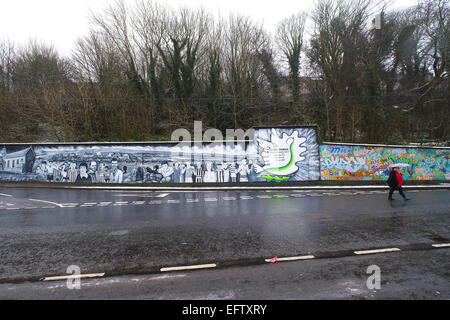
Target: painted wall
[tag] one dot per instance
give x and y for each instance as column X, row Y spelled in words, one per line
column 344, row 162
column 277, row 154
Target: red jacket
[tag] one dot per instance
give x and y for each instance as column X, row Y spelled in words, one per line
column 399, row 179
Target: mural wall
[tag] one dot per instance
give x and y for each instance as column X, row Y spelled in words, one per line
column 276, row 155
column 279, row 154
column 343, row 162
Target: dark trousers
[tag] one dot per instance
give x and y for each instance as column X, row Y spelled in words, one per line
column 400, row 190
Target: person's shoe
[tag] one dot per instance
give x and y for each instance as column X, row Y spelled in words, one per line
column 406, row 199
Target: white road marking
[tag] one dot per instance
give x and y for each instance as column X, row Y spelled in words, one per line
column 280, row 196
column 246, row 198
column 5, row 195
column 229, row 198
column 210, row 199
column 12, row 208
column 104, row 203
column 377, row 251
column 192, row 200
column 173, row 201
column 193, row 267
column 264, row 197
column 69, row 204
column 155, row 202
column 162, row 195
column 138, row 202
column 291, row 258
column 166, row 276
column 88, row 204
column 143, row 195
column 80, row 276
column 120, row 203
column 298, row 195
column 50, row 202
column 441, row 245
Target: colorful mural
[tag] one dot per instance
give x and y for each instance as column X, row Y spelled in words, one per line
column 281, row 154
column 276, row 155
column 344, row 162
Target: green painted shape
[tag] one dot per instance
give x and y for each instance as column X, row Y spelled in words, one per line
column 291, row 161
column 276, row 178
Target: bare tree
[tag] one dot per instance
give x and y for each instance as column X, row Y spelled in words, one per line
column 289, row 38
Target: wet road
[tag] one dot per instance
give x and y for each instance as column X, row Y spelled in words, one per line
column 119, row 233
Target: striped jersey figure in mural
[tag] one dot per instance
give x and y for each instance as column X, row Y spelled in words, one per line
column 281, row 154
column 395, row 182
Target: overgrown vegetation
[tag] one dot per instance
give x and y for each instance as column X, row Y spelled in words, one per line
column 146, row 69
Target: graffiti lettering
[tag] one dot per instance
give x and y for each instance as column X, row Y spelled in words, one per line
column 372, row 163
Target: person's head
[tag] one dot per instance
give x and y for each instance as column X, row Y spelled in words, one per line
column 125, row 169
column 395, row 168
column 73, row 165
column 93, row 166
column 208, row 166
column 176, row 164
column 164, row 165
column 44, row 164
column 83, row 167
column 114, row 163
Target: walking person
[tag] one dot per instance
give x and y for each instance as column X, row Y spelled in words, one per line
column 395, row 182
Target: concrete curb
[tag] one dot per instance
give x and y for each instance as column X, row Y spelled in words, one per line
column 253, row 188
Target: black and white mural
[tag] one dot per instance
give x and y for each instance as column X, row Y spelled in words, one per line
column 277, row 154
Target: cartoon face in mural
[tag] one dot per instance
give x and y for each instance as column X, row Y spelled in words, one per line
column 281, row 154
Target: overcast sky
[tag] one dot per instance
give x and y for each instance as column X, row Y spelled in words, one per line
column 61, row 22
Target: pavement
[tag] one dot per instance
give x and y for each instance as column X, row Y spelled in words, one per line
column 272, row 244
